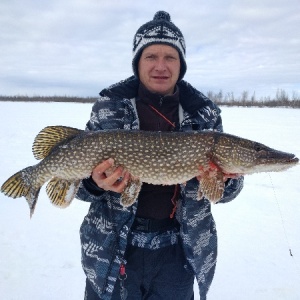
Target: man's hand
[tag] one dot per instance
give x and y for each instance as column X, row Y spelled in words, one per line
column 110, row 179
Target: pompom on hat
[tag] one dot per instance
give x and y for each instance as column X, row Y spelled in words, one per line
column 159, row 31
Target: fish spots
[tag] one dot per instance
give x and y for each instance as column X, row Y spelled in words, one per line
column 165, row 158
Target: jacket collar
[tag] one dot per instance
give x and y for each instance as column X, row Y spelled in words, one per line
column 157, row 100
column 190, row 98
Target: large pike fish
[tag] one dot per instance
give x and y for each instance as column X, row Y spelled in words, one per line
column 68, row 155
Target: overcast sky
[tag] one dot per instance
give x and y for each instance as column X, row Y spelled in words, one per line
column 78, row 47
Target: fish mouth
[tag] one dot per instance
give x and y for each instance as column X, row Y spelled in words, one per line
column 290, row 160
column 287, row 160
column 279, row 157
column 276, row 164
column 294, row 160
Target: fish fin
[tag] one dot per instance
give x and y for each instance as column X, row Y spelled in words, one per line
column 61, row 192
column 131, row 192
column 22, row 184
column 49, row 137
column 211, row 187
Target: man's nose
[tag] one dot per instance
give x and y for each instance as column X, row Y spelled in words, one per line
column 160, row 65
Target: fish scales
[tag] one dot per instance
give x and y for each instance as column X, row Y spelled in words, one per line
column 68, row 155
column 153, row 157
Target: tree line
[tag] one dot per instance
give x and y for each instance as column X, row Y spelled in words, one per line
column 281, row 99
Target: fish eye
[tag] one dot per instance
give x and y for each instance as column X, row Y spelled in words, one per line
column 258, row 147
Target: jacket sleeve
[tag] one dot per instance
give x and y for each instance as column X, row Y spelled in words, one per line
column 113, row 110
column 88, row 193
column 232, row 188
column 102, row 117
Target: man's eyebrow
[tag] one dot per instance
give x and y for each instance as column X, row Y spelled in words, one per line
column 150, row 53
column 164, row 54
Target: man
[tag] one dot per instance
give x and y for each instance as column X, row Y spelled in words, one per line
column 154, row 248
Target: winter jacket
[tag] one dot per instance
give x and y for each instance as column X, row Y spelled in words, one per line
column 104, row 231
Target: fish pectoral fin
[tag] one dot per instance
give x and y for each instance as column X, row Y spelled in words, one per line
column 51, row 136
column 131, row 192
column 61, row 192
column 211, row 186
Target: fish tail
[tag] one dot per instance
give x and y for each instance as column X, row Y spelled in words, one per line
column 23, row 184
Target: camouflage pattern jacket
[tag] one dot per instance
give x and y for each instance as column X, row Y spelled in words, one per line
column 104, row 231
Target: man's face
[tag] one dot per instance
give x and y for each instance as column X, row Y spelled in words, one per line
column 159, row 68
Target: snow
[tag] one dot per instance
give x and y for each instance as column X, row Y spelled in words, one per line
column 40, row 258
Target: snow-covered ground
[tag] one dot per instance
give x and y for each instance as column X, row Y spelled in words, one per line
column 40, row 258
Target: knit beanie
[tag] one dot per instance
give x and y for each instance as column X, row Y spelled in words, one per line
column 159, row 31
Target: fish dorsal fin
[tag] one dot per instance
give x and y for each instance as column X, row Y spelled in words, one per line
column 61, row 192
column 51, row 136
column 212, row 187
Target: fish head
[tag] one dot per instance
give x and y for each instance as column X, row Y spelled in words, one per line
column 235, row 155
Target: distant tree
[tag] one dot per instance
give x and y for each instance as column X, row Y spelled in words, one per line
column 244, row 96
column 282, row 95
